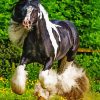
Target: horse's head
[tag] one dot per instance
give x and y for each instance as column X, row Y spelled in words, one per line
column 26, row 12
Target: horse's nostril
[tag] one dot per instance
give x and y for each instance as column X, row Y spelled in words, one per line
column 27, row 27
column 27, row 24
column 30, row 22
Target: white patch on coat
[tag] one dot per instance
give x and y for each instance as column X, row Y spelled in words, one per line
column 50, row 27
column 29, row 11
column 17, row 33
column 19, row 79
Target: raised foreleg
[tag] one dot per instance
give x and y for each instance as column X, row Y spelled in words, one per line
column 18, row 81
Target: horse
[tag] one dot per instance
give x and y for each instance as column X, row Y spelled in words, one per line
column 43, row 40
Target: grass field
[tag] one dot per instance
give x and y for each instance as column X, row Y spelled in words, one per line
column 7, row 94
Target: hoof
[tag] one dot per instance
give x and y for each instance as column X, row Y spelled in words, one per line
column 17, row 88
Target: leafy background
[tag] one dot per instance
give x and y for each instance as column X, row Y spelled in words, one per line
column 85, row 14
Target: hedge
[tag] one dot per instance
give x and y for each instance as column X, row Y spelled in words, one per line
column 84, row 14
column 86, row 17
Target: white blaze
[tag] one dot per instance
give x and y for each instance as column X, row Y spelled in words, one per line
column 29, row 11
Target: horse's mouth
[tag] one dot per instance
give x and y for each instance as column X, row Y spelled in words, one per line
column 28, row 27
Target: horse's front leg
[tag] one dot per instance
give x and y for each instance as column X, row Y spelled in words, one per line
column 48, row 64
column 19, row 78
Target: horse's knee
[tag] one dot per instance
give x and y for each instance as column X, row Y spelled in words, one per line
column 48, row 64
column 24, row 60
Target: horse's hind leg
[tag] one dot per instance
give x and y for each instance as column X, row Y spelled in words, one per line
column 72, row 73
column 66, row 60
column 71, row 55
column 63, row 64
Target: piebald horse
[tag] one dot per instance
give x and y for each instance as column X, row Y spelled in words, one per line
column 43, row 40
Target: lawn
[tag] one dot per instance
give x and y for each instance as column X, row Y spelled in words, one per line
column 7, row 94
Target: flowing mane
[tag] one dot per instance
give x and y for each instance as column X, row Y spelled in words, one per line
column 50, row 27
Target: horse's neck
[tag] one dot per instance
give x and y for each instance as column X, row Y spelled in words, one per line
column 41, row 25
column 41, row 28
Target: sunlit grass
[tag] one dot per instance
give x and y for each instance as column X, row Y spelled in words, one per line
column 7, row 94
column 92, row 96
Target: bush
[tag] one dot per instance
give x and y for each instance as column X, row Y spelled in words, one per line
column 91, row 64
column 86, row 17
column 9, row 58
column 5, row 13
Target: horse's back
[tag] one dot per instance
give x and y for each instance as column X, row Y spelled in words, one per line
column 68, row 25
column 69, row 37
column 74, row 34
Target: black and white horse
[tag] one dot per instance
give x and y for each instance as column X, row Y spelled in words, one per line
column 43, row 40
column 46, row 40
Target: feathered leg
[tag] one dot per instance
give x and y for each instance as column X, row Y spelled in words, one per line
column 18, row 81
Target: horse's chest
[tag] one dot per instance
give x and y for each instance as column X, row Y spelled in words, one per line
column 39, row 52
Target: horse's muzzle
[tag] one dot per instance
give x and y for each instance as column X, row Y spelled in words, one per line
column 27, row 24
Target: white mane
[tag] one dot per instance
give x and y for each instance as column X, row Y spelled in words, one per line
column 50, row 26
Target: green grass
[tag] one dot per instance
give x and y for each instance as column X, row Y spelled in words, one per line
column 7, row 94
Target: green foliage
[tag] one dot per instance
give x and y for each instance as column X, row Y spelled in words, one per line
column 5, row 13
column 85, row 14
column 7, row 94
column 9, row 58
